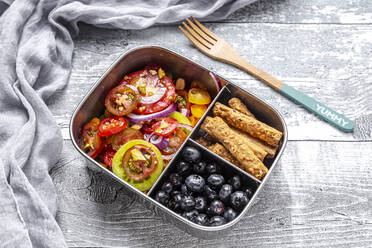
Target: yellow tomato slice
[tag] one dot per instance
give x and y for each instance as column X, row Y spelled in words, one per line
column 193, row 120
column 199, row 96
column 198, row 110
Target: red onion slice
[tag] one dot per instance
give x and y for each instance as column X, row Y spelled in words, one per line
column 159, row 92
column 140, row 118
column 185, row 112
column 159, row 141
column 134, row 88
column 147, row 136
column 216, row 81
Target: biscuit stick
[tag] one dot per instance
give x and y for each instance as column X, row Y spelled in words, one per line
column 235, row 145
column 220, row 150
column 248, row 124
column 236, row 103
column 271, row 150
column 256, row 149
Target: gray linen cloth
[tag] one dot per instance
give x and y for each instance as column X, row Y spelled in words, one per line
column 35, row 60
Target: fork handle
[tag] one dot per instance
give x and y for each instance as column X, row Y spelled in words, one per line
column 336, row 119
column 329, row 115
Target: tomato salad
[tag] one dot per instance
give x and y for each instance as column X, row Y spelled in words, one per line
column 146, row 120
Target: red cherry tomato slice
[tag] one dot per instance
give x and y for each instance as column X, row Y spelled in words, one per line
column 175, row 141
column 108, row 156
column 124, row 136
column 121, row 100
column 149, row 83
column 157, row 68
column 165, row 126
column 111, row 125
column 91, row 143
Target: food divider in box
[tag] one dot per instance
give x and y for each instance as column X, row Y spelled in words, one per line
column 203, row 190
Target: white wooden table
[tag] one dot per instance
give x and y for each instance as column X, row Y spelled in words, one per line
column 320, row 195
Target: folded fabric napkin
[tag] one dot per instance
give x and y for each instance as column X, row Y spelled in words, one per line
column 36, row 51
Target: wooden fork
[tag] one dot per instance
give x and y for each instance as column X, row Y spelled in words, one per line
column 217, row 48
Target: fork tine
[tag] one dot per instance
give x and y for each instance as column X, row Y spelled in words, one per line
column 206, row 30
column 194, row 41
column 197, row 36
column 200, row 32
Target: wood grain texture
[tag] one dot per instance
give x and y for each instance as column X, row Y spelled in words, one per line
column 320, row 195
column 309, row 11
column 330, row 63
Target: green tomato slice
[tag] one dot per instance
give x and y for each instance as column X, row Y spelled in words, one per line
column 118, row 169
column 180, row 118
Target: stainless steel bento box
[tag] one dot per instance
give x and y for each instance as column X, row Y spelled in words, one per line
column 93, row 105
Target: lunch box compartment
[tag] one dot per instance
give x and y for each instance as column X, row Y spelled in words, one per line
column 227, row 171
column 92, row 105
column 208, row 156
column 259, row 109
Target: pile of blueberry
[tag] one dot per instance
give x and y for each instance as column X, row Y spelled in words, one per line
column 199, row 192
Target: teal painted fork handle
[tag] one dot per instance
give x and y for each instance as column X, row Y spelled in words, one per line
column 316, row 107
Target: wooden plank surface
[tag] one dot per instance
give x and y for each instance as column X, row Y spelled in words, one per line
column 305, row 11
column 320, row 195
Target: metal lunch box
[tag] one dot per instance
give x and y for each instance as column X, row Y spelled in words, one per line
column 93, row 105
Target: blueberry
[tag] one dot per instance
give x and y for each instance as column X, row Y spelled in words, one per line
column 217, row 221
column 248, row 192
column 209, row 211
column 187, row 203
column 235, row 182
column 195, row 183
column 167, row 187
column 212, row 168
column 177, row 197
column 200, row 203
column 215, row 181
column 184, row 168
column 210, row 193
column 238, row 200
column 201, row 219
column 217, row 207
column 175, row 179
column 175, row 192
column 229, row 214
column 185, row 190
column 190, row 215
column 191, row 154
column 162, row 197
column 199, row 168
column 225, row 192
